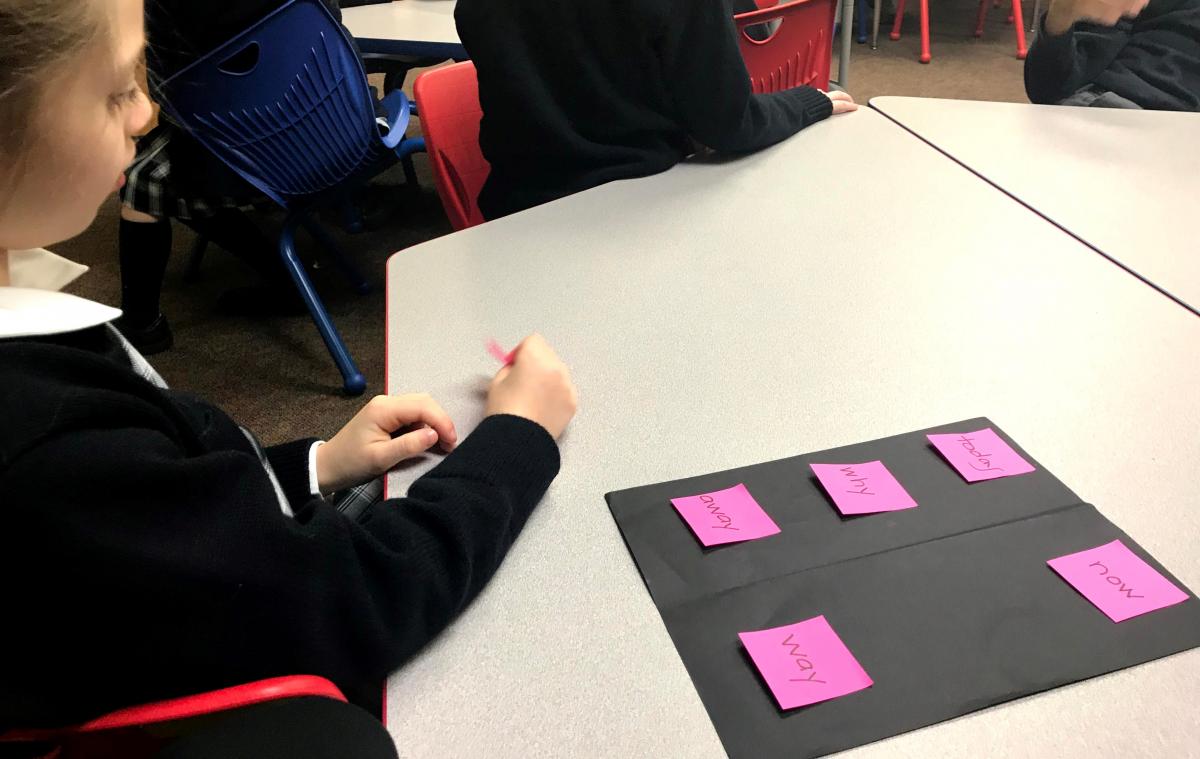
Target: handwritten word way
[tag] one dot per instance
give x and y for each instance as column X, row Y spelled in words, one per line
column 802, row 661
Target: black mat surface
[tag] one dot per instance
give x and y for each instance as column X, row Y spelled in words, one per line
column 949, row 607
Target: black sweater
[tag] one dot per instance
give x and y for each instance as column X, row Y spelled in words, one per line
column 1153, row 60
column 576, row 93
column 145, row 555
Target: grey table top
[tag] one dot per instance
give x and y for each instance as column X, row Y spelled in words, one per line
column 403, row 22
column 848, row 284
column 1123, row 181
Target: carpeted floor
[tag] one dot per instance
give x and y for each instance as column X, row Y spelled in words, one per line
column 275, row 376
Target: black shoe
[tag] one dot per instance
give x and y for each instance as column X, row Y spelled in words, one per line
column 149, row 339
column 262, row 300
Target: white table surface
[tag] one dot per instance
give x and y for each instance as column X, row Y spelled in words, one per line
column 730, row 313
column 403, row 21
column 1125, row 182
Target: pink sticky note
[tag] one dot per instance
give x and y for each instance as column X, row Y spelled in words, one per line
column 501, row 355
column 863, row 488
column 1116, row 581
column 981, row 455
column 805, row 663
column 725, row 516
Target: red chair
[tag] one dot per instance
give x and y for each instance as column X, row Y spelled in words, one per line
column 448, row 105
column 798, row 50
column 141, row 730
column 1019, row 25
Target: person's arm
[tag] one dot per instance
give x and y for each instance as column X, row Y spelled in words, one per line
column 703, row 68
column 1077, row 41
column 189, row 574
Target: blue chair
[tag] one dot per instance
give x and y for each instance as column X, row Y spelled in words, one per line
column 287, row 106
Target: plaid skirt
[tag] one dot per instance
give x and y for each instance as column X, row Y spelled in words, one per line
column 175, row 177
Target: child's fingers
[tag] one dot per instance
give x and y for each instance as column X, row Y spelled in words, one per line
column 394, row 412
column 406, row 446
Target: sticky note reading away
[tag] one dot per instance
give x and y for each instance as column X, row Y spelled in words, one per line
column 863, row 488
column 1116, row 581
column 725, row 516
column 980, row 455
column 805, row 663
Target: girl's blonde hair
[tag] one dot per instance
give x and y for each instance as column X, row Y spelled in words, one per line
column 38, row 39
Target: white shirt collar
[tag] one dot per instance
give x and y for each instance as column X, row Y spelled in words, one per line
column 33, row 307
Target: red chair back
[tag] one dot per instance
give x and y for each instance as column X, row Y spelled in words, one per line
column 448, row 106
column 106, row 727
column 798, row 50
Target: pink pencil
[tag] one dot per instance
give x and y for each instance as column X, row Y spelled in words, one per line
column 505, row 358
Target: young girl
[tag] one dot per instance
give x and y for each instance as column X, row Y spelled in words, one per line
column 151, row 548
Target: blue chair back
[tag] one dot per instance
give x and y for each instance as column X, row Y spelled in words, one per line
column 285, row 104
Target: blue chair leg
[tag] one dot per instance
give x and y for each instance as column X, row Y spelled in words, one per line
column 860, row 10
column 410, row 173
column 361, row 285
column 352, row 379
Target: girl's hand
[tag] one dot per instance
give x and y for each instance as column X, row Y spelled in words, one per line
column 842, row 102
column 365, row 448
column 536, row 386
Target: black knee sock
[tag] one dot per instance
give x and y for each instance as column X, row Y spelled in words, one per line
column 143, row 252
column 232, row 230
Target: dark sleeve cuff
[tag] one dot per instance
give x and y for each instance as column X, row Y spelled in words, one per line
column 507, row 452
column 290, row 462
column 816, row 104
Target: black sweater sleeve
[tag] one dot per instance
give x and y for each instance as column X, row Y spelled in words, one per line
column 181, row 573
column 711, row 88
column 1057, row 66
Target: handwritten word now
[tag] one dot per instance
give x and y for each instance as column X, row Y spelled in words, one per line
column 1114, row 580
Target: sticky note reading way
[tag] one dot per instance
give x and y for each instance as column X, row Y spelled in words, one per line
column 725, row 516
column 1116, row 581
column 981, row 455
column 863, row 488
column 805, row 663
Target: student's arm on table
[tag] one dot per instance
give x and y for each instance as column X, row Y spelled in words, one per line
column 703, row 67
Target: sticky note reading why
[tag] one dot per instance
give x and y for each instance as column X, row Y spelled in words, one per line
column 725, row 516
column 980, row 455
column 1118, row 582
column 862, row 488
column 805, row 663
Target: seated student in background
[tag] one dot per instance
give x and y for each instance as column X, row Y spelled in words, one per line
column 576, row 93
column 153, row 548
column 1117, row 53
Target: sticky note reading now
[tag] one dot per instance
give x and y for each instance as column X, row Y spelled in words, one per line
column 1116, row 581
column 863, row 488
column 805, row 662
column 981, row 455
column 725, row 516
